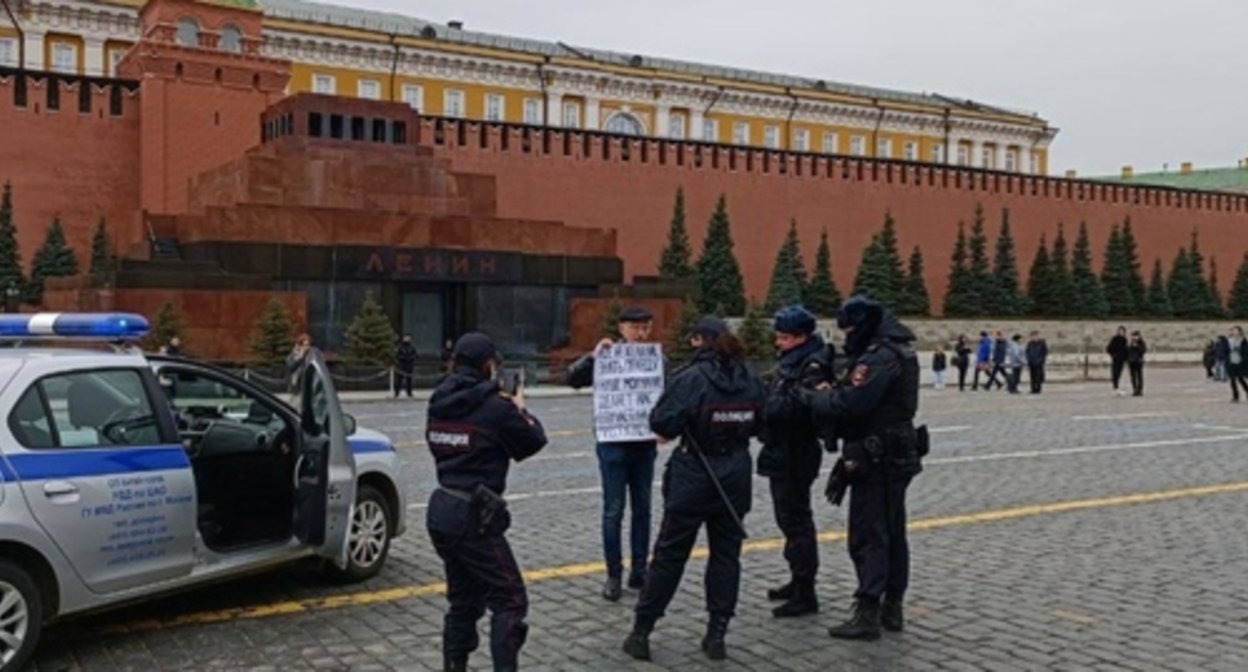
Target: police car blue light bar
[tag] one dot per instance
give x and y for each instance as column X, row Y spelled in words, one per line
column 118, row 326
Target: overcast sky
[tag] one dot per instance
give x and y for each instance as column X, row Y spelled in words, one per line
column 1128, row 82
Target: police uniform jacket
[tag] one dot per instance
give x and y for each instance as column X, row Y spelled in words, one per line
column 790, row 440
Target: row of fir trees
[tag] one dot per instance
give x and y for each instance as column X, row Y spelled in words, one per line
column 1061, row 283
column 54, row 259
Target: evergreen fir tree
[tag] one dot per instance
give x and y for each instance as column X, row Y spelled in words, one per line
column 1040, row 283
column 719, row 275
column 755, row 335
column 1087, row 287
column 1157, row 297
column 675, row 263
column 961, row 299
column 800, row 277
column 1114, row 277
column 785, row 288
column 1205, row 294
column 678, row 346
column 914, row 300
column 273, row 336
column 10, row 256
column 1064, row 299
column 166, row 324
column 1217, row 307
column 54, row 259
column 822, row 296
column 980, row 278
column 101, row 256
column 609, row 327
column 1007, row 300
column 370, row 337
column 1184, row 288
column 1131, row 262
column 880, row 272
column 1238, row 300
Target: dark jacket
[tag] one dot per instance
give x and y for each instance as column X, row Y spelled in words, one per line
column 474, row 432
column 718, row 404
column 1000, row 348
column 883, row 381
column 1117, row 348
column 405, row 356
column 938, row 361
column 1222, row 350
column 790, row 441
column 1037, row 352
column 1135, row 352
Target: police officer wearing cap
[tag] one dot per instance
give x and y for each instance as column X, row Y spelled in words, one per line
column 474, row 431
column 626, row 468
column 873, row 412
column 791, row 453
column 713, row 407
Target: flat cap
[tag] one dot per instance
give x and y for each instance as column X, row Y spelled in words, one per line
column 634, row 314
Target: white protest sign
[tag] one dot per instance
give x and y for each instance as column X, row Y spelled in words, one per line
column 628, row 379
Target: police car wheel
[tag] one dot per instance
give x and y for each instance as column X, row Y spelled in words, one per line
column 369, row 541
column 21, row 616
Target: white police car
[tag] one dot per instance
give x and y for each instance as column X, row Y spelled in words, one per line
column 123, row 476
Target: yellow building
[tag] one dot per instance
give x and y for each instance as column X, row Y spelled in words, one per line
column 449, row 71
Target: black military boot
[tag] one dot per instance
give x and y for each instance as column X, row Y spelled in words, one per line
column 864, row 624
column 802, row 603
column 611, row 590
column 713, row 643
column 638, row 643
column 454, row 663
column 891, row 617
column 782, row 594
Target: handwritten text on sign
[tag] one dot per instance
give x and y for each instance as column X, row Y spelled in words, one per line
column 628, row 379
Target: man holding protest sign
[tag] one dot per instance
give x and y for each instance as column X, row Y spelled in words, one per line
column 627, row 379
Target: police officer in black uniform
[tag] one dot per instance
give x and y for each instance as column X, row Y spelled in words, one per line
column 474, row 431
column 791, row 453
column 713, row 406
column 873, row 413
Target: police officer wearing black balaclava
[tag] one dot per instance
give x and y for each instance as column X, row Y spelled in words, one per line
column 791, row 453
column 873, row 411
column 474, row 431
column 713, row 407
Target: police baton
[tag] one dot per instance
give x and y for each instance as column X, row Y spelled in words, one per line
column 718, row 486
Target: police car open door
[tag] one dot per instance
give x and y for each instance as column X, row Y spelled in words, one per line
column 325, row 469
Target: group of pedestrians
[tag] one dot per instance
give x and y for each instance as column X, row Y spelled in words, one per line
column 1226, row 360
column 1002, row 361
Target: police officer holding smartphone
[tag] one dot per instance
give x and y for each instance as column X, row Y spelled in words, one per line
column 474, row 430
column 713, row 407
column 873, row 412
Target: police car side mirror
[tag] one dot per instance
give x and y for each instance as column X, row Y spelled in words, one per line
column 349, row 425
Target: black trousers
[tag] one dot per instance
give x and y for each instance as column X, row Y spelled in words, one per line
column 690, row 500
column 1035, row 374
column 961, row 378
column 1241, row 378
column 481, row 573
column 877, row 538
column 1137, row 377
column 791, row 501
column 992, row 377
column 1115, row 370
column 403, row 380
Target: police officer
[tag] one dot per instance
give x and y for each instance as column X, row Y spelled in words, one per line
column 713, row 406
column 791, row 453
column 474, row 431
column 873, row 412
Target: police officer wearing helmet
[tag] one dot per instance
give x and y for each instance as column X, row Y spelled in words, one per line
column 873, row 412
column 474, row 431
column 712, row 406
column 791, row 453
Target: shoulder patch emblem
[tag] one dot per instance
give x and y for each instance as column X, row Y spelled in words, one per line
column 859, row 376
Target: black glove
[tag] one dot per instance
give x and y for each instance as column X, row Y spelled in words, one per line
column 837, row 484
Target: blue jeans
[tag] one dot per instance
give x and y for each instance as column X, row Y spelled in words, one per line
column 626, row 467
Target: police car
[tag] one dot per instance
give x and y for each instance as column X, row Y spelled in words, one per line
column 124, row 475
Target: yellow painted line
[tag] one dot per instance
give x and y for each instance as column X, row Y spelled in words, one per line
column 293, row 607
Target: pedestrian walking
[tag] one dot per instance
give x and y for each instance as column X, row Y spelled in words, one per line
column 962, row 360
column 1037, row 360
column 1208, row 358
column 626, row 469
column 983, row 358
column 881, row 453
column 1117, row 351
column 712, row 407
column 405, row 366
column 938, row 368
column 475, row 430
column 1000, row 353
column 1237, row 362
column 1017, row 359
column 791, row 454
column 1136, row 349
column 1221, row 359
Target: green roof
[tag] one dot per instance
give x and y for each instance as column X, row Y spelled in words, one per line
column 1207, row 179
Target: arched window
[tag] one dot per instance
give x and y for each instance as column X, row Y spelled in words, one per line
column 188, row 32
column 624, row 124
column 231, row 39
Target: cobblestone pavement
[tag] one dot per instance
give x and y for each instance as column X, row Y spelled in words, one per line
column 1076, row 530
